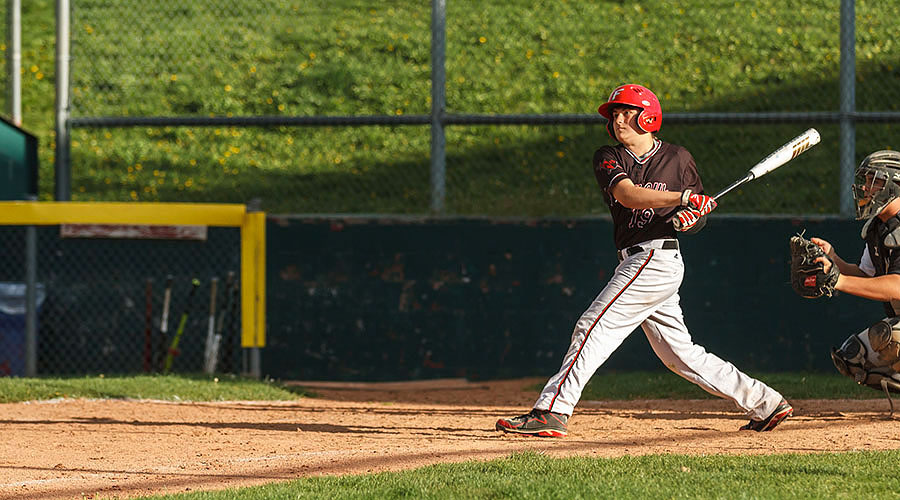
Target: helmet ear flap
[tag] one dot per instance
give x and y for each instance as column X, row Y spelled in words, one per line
column 650, row 118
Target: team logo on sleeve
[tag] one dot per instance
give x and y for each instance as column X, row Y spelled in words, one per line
column 610, row 164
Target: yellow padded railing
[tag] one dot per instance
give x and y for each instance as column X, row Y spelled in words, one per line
column 252, row 225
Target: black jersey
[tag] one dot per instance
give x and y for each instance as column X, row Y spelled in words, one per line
column 666, row 167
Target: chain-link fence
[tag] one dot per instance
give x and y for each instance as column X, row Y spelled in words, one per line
column 101, row 300
column 324, row 107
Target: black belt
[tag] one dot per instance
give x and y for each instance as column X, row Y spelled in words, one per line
column 666, row 245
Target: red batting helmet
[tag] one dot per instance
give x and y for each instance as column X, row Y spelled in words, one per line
column 650, row 117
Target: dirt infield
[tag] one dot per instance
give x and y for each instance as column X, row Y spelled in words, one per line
column 120, row 449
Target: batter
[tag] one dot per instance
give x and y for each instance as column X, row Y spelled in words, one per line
column 643, row 179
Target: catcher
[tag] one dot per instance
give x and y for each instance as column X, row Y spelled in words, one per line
column 871, row 357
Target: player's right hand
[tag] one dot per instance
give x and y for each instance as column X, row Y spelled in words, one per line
column 699, row 202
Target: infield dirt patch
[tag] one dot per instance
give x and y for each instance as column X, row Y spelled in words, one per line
column 74, row 449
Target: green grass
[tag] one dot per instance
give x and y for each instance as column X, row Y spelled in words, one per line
column 603, row 386
column 348, row 57
column 161, row 387
column 536, row 476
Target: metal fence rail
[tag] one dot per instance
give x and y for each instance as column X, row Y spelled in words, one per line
column 90, row 82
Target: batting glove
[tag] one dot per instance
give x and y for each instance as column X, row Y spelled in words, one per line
column 686, row 219
column 699, row 202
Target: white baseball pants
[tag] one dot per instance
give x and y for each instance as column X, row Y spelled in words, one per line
column 644, row 291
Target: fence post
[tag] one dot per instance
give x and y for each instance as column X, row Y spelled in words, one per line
column 31, row 333
column 63, row 178
column 438, row 104
column 848, row 104
column 14, row 61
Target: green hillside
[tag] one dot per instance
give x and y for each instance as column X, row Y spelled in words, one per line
column 348, row 57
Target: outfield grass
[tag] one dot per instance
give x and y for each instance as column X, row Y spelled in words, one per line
column 161, row 387
column 348, row 57
column 603, row 386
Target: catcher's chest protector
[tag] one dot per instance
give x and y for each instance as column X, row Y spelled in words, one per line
column 881, row 240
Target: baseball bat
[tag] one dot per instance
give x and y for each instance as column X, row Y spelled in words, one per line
column 173, row 349
column 220, row 322
column 777, row 158
column 208, row 366
column 164, row 325
column 229, row 338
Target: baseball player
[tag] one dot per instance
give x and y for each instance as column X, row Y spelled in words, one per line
column 643, row 179
column 872, row 357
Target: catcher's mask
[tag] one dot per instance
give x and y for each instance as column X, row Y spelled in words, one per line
column 877, row 183
column 650, row 117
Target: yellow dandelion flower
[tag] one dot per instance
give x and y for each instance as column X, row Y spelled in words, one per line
column 134, row 195
column 189, row 183
column 482, row 39
column 227, row 88
column 193, row 162
column 173, row 78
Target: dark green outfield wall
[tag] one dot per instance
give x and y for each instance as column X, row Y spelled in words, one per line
column 374, row 299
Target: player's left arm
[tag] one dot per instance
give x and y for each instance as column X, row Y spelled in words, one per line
column 881, row 288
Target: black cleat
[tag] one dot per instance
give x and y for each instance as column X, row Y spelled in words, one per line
column 782, row 411
column 536, row 423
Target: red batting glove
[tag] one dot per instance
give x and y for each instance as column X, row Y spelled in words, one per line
column 699, row 202
column 686, row 218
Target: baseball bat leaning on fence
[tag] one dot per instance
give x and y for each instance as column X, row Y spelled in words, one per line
column 208, row 366
column 230, row 337
column 173, row 349
column 777, row 158
column 160, row 353
column 220, row 322
column 148, row 325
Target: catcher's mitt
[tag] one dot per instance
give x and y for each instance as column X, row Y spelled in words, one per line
column 808, row 277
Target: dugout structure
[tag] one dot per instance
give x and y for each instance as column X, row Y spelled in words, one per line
column 73, row 269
